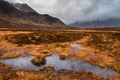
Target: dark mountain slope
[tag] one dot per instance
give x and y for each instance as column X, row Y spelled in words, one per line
column 23, row 7
column 11, row 17
column 5, row 7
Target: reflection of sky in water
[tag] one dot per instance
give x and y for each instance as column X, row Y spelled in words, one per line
column 20, row 63
column 76, row 48
column 78, row 65
column 71, row 64
column 25, row 63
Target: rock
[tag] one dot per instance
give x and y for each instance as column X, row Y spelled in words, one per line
column 62, row 57
column 38, row 61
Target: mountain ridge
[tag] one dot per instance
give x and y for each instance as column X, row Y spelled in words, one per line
column 25, row 19
column 23, row 7
column 108, row 23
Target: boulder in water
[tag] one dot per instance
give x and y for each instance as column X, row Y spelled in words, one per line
column 38, row 61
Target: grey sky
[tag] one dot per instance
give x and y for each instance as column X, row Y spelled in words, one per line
column 70, row 11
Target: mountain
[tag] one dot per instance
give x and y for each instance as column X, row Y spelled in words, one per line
column 23, row 16
column 108, row 23
column 23, row 7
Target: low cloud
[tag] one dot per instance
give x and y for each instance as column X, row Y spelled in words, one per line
column 76, row 10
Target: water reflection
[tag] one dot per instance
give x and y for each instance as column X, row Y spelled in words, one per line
column 24, row 62
column 54, row 60
column 78, row 65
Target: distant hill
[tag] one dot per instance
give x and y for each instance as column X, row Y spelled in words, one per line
column 108, row 23
column 23, row 16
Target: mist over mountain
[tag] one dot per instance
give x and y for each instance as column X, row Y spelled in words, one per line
column 23, row 16
column 108, row 23
column 23, row 7
column 71, row 11
column 76, row 13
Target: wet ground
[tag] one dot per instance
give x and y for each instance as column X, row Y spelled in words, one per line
column 24, row 62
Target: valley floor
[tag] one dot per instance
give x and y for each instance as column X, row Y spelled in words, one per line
column 97, row 47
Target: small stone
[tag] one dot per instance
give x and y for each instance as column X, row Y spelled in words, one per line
column 38, row 61
column 62, row 57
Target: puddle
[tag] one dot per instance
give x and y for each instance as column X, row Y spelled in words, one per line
column 54, row 60
column 78, row 65
column 76, row 48
column 20, row 63
column 24, row 62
